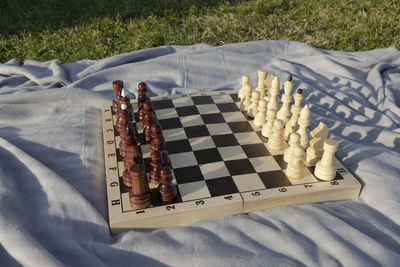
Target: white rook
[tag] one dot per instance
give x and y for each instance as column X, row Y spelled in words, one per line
column 325, row 169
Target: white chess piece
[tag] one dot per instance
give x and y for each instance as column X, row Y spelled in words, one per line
column 276, row 142
column 123, row 93
column 260, row 119
column 298, row 98
column 242, row 90
column 315, row 150
column 253, row 108
column 295, row 167
column 267, row 127
column 268, row 82
column 246, row 101
column 273, row 101
column 325, row 168
column 294, row 141
column 304, row 121
column 262, row 74
column 284, row 112
column 292, row 125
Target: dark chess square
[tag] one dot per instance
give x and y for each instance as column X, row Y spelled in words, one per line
column 240, row 126
column 239, row 166
column 224, row 140
column 186, row 111
column 201, row 100
column 196, row 131
column 274, row 179
column 207, row 155
column 170, row 123
column 255, row 150
column 221, row 186
column 178, row 146
column 188, row 174
column 212, row 118
column 161, row 104
column 228, row 107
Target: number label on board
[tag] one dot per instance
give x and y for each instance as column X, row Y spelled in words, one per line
column 199, row 202
column 282, row 189
column 170, row 207
column 255, row 194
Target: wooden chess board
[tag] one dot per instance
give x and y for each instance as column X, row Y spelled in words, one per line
column 221, row 166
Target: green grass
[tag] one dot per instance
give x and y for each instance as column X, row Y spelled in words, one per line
column 71, row 30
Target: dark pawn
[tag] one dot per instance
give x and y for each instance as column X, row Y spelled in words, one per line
column 142, row 99
column 142, row 87
column 117, row 87
column 148, row 121
column 157, row 143
column 156, row 161
column 155, row 130
column 166, row 188
column 139, row 195
column 127, row 139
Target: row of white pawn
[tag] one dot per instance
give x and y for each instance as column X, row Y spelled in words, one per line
column 288, row 123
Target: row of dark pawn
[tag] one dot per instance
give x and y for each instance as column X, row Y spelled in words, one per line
column 134, row 175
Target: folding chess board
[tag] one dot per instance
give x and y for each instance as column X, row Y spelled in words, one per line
column 220, row 162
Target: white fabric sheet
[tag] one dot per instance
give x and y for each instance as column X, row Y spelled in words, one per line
column 52, row 182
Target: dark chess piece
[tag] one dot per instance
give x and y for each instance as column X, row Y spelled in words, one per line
column 122, row 121
column 129, row 161
column 132, row 156
column 157, row 143
column 166, row 188
column 127, row 139
column 155, row 130
column 148, row 121
column 156, row 162
column 142, row 98
column 124, row 99
column 142, row 87
column 139, row 195
column 117, row 87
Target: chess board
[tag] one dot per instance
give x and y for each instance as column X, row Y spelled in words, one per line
column 221, row 166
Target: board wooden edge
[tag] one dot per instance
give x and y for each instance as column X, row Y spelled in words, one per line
column 348, row 188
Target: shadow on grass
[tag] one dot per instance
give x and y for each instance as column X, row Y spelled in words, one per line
column 32, row 16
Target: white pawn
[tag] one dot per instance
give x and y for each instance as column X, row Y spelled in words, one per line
column 267, row 127
column 276, row 142
column 315, row 150
column 284, row 111
column 246, row 101
column 260, row 119
column 274, row 92
column 253, row 108
column 294, row 141
column 295, row 167
column 262, row 74
column 325, row 169
column 242, row 91
column 304, row 121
